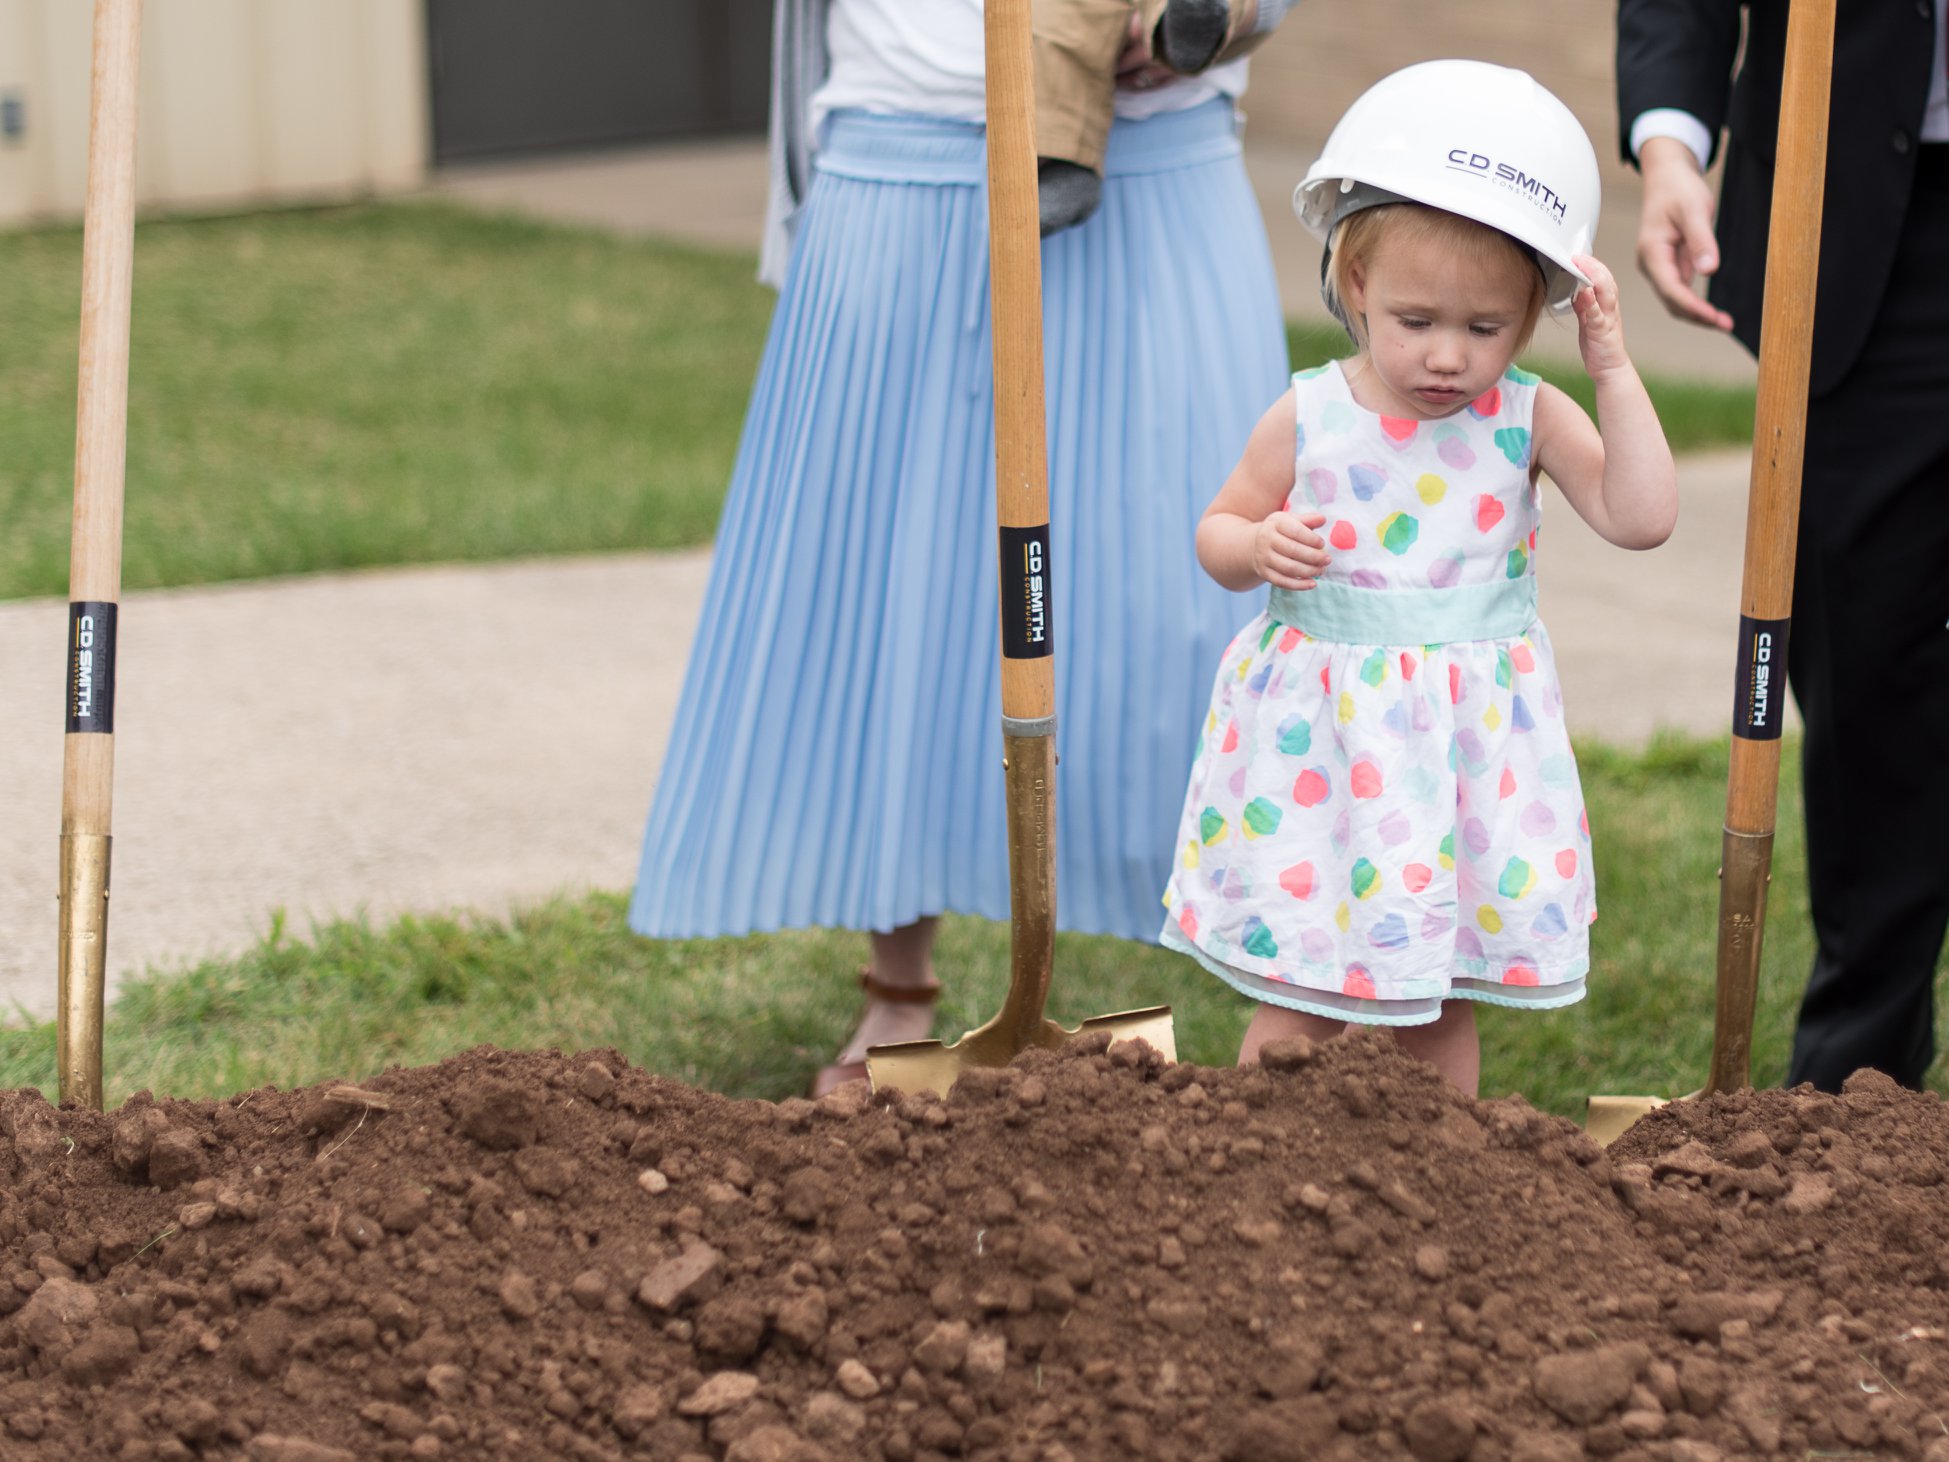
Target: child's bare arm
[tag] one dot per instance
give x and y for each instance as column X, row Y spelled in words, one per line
column 1618, row 473
column 1246, row 536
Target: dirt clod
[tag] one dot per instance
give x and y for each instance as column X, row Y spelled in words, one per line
column 499, row 1115
column 1440, row 1429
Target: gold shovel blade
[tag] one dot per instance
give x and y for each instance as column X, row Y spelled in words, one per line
column 932, row 1066
column 1608, row 1118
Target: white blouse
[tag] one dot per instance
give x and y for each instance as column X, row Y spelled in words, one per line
column 915, row 56
column 925, row 57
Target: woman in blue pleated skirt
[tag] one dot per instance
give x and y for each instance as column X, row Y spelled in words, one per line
column 836, row 756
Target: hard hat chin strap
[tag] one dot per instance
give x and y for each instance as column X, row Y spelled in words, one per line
column 1332, row 301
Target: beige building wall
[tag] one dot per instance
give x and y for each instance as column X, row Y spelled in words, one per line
column 242, row 102
column 1329, row 51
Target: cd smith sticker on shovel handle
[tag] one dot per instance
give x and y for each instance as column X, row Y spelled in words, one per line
column 1761, row 703
column 1027, row 632
column 91, row 665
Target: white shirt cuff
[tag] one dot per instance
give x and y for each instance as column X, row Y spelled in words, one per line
column 1672, row 122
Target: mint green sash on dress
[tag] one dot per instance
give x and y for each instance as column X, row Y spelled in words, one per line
column 1333, row 610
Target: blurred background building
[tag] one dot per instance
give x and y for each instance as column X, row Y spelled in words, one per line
column 259, row 101
column 243, row 102
column 249, row 102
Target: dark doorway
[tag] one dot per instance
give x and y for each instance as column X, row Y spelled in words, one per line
column 529, row 75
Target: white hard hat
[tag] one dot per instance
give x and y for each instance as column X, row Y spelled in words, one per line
column 1486, row 142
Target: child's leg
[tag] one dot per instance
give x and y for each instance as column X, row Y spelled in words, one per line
column 1277, row 1023
column 1449, row 1044
column 1077, row 43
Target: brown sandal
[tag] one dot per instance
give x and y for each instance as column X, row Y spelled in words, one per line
column 841, row 1072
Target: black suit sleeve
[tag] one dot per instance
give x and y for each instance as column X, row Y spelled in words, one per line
column 1675, row 53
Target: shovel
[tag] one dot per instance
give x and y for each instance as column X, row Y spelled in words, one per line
column 95, row 563
column 1766, row 593
column 1027, row 635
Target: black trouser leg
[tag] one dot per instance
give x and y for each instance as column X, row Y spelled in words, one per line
column 1869, row 656
column 1869, row 662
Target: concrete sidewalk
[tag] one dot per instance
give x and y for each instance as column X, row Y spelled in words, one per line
column 457, row 737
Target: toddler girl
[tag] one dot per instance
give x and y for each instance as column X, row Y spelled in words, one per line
column 1384, row 822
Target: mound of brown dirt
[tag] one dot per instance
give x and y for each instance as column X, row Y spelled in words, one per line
column 1092, row 1255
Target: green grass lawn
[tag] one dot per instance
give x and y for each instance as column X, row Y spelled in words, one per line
column 405, row 383
column 1696, row 415
column 754, row 1016
column 414, row 382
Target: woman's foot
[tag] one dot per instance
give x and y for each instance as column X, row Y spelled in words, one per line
column 893, row 1013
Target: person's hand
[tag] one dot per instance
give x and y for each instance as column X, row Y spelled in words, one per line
column 1675, row 239
column 1600, row 327
column 1287, row 550
column 1138, row 67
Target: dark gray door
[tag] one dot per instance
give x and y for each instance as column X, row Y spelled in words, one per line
column 528, row 75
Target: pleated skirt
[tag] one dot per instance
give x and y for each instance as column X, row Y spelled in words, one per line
column 836, row 758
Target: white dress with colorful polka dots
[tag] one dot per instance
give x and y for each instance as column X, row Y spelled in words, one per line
column 1384, row 812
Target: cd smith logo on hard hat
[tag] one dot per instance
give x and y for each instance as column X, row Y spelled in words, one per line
column 1461, row 160
column 1527, row 169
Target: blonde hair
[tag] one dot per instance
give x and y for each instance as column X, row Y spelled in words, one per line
column 1358, row 238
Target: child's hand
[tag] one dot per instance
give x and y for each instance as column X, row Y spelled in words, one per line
column 1600, row 328
column 1287, row 552
column 1617, row 471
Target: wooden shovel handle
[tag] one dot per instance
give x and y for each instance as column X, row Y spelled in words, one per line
column 1021, row 422
column 107, row 287
column 102, row 398
column 1022, row 514
column 1772, row 531
column 95, row 563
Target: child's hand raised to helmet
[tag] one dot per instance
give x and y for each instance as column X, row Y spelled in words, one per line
column 1600, row 327
column 1616, row 472
column 1287, row 550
